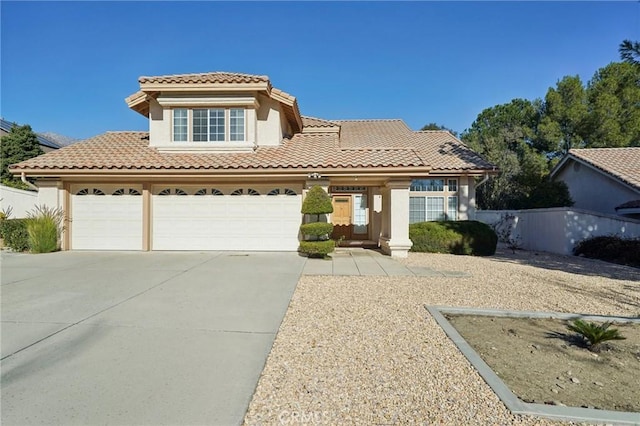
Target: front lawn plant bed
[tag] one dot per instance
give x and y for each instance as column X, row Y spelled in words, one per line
column 542, row 361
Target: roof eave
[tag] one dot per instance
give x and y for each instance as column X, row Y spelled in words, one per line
column 199, row 87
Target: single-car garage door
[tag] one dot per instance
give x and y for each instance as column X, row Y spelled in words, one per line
column 217, row 218
column 106, row 217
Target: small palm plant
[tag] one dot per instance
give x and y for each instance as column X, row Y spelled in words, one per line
column 595, row 334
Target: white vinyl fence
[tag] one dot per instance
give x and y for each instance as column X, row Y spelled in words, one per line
column 558, row 230
column 19, row 200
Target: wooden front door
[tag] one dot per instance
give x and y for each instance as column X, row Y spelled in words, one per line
column 341, row 217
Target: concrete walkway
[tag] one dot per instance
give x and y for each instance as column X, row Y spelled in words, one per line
column 359, row 261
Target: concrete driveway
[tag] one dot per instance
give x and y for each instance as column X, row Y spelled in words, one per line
column 138, row 338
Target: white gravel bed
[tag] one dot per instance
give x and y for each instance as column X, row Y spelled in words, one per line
column 363, row 350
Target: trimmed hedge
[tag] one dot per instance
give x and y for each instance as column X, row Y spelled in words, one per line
column 317, row 248
column 15, row 235
column 467, row 237
column 625, row 251
column 316, row 229
column 317, row 201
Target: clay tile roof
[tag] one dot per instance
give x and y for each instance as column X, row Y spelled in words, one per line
column 130, row 151
column 437, row 148
column 210, row 77
column 621, row 163
column 362, row 144
column 317, row 122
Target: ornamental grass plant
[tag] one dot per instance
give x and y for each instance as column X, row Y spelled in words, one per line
column 44, row 226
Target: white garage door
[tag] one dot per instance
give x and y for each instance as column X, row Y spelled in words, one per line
column 106, row 218
column 247, row 218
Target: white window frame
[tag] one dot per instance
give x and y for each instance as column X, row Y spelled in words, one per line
column 429, row 189
column 236, row 133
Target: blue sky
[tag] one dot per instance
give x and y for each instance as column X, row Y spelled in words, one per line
column 66, row 67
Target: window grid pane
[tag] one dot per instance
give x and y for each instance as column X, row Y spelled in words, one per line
column 435, row 208
column 216, row 125
column 452, row 213
column 200, row 125
column 236, row 124
column 180, row 125
column 453, row 185
column 436, row 185
column 416, row 209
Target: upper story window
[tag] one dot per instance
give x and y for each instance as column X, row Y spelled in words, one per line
column 209, row 125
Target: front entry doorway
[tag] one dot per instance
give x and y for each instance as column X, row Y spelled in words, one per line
column 350, row 217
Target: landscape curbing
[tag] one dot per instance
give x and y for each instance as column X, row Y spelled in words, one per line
column 510, row 400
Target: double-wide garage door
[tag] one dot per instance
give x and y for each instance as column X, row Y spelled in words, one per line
column 187, row 218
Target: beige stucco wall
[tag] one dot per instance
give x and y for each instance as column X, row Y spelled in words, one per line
column 593, row 190
column 263, row 126
column 159, row 124
column 19, row 201
column 269, row 122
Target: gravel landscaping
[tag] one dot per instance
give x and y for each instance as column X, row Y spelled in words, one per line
column 363, row 350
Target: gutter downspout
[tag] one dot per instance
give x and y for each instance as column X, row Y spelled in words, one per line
column 23, row 178
column 484, row 179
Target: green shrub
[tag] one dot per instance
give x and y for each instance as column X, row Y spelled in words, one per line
column 461, row 237
column 317, row 201
column 316, row 229
column 595, row 334
column 317, row 248
column 43, row 227
column 625, row 251
column 14, row 233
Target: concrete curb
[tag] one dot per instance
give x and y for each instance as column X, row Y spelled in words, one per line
column 512, row 402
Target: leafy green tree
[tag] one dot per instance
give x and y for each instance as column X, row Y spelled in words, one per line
column 436, row 126
column 18, row 145
column 614, row 114
column 563, row 124
column 505, row 135
column 630, row 52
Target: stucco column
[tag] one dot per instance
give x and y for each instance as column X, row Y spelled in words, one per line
column 395, row 240
column 146, row 217
column 471, row 206
column 463, row 197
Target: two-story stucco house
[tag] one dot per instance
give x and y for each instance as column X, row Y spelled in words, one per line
column 225, row 165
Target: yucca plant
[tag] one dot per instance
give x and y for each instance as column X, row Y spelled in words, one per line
column 44, row 228
column 595, row 334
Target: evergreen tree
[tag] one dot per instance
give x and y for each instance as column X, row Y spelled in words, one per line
column 20, row 144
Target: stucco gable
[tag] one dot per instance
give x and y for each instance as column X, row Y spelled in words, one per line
column 619, row 164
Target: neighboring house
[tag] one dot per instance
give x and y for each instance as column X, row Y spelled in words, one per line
column 226, row 162
column 605, row 180
column 46, row 144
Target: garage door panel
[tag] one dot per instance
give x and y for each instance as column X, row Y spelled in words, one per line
column 226, row 222
column 106, row 222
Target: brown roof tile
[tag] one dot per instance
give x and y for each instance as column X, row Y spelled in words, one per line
column 621, row 163
column 130, row 150
column 437, row 148
column 209, row 77
column 365, row 144
column 317, row 122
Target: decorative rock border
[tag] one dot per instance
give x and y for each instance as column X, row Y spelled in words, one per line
column 512, row 402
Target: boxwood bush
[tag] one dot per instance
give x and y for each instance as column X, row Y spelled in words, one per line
column 316, row 229
column 625, row 251
column 317, row 248
column 467, row 237
column 14, row 233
